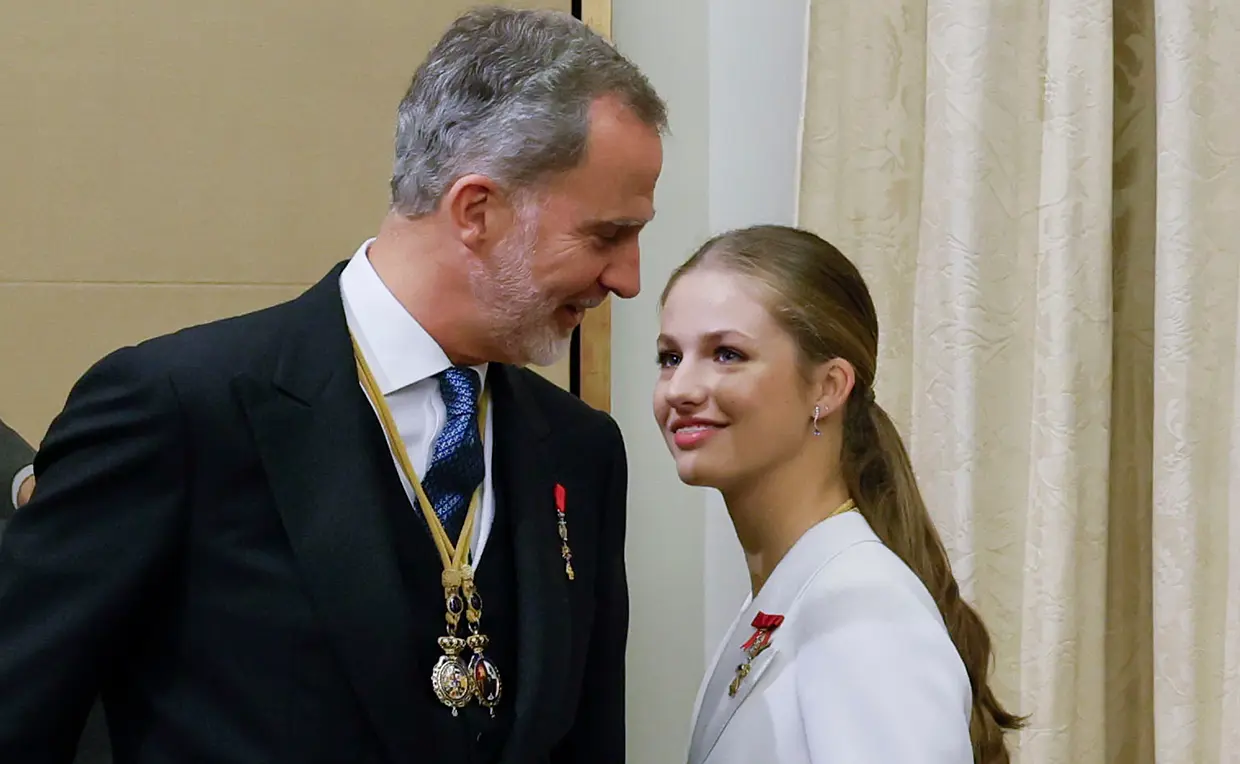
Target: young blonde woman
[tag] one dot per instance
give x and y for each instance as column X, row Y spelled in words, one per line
column 855, row 646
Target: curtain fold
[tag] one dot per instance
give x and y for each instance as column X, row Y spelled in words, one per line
column 1196, row 277
column 1045, row 200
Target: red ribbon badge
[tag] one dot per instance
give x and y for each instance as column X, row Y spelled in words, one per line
column 767, row 622
column 764, row 625
column 562, row 525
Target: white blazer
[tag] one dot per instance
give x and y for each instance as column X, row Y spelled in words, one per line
column 861, row 671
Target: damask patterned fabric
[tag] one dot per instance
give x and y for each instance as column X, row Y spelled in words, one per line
column 1045, row 201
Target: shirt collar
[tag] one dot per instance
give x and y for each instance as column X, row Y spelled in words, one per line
column 399, row 351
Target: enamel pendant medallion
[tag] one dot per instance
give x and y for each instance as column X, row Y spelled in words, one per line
column 450, row 678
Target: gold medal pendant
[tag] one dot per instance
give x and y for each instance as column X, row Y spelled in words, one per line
column 454, row 682
column 450, row 678
column 488, row 687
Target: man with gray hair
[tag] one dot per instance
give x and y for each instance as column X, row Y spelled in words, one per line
column 351, row 527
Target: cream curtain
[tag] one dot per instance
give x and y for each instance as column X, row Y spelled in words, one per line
column 1044, row 196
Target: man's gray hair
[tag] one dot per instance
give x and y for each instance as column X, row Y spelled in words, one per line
column 506, row 93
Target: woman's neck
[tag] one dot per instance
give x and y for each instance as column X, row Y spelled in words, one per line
column 773, row 512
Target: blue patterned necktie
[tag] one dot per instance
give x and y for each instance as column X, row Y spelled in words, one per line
column 457, row 463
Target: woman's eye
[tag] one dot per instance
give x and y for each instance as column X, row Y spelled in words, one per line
column 728, row 355
column 667, row 359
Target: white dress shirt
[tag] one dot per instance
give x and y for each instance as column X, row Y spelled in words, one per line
column 404, row 360
column 861, row 671
column 18, row 479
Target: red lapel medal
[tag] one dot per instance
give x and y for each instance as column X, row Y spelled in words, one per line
column 764, row 626
column 562, row 522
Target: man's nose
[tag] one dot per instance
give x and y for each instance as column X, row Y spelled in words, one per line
column 623, row 275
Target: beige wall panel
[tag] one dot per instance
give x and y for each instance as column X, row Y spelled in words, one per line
column 595, row 371
column 235, row 141
column 52, row 333
column 559, row 373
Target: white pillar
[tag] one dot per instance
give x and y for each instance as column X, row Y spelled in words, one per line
column 732, row 73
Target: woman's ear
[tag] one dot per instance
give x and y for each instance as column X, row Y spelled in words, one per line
column 833, row 381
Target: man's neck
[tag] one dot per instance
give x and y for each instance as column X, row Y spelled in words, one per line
column 427, row 277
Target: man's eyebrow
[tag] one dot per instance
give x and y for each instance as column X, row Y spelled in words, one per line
column 623, row 222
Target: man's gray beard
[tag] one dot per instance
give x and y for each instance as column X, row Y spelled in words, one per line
column 522, row 319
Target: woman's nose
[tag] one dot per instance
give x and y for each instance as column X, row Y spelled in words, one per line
column 685, row 388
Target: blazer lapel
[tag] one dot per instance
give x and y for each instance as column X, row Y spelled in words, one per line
column 705, row 705
column 526, row 484
column 324, row 457
column 717, row 711
column 780, row 595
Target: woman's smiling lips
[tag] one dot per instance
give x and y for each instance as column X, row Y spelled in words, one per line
column 691, row 432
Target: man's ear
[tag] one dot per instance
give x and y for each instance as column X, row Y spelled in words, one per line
column 478, row 210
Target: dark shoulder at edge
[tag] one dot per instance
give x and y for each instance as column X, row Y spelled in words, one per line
column 562, row 407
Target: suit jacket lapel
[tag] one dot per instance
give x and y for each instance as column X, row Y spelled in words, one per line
column 325, row 458
column 525, row 486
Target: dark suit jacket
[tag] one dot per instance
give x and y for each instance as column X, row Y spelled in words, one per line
column 206, row 548
column 15, row 454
